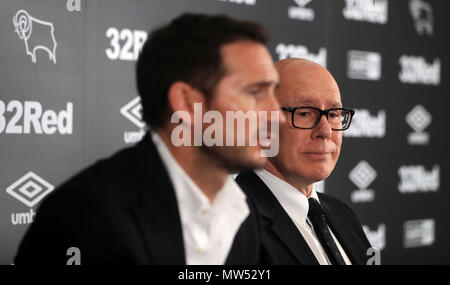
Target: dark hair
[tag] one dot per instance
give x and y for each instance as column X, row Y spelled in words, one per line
column 188, row 50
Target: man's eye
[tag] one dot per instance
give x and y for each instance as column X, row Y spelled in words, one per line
column 304, row 114
column 333, row 115
column 255, row 91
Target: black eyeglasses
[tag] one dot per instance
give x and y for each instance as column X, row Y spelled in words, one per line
column 308, row 117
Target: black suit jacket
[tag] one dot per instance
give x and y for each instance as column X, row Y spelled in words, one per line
column 120, row 210
column 283, row 244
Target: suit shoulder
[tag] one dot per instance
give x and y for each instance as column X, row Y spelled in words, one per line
column 105, row 180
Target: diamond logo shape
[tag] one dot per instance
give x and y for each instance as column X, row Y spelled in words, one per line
column 30, row 189
column 363, row 175
column 418, row 118
column 133, row 112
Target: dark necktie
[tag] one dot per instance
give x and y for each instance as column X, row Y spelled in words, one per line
column 317, row 217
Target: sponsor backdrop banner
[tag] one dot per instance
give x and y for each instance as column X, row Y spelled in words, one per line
column 68, row 98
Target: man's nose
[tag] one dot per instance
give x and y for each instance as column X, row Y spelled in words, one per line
column 323, row 128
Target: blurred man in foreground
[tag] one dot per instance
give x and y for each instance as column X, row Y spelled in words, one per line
column 170, row 198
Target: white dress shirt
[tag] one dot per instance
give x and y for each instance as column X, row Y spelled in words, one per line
column 296, row 205
column 208, row 228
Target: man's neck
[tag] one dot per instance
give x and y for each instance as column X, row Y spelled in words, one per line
column 201, row 168
column 302, row 186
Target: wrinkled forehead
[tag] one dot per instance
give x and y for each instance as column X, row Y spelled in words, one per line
column 308, row 85
column 313, row 101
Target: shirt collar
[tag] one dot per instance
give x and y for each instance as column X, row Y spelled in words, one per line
column 294, row 202
column 191, row 199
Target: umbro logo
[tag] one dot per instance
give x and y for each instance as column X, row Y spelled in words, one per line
column 30, row 189
column 133, row 112
column 362, row 176
column 418, row 119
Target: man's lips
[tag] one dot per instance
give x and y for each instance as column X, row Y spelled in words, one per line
column 318, row 152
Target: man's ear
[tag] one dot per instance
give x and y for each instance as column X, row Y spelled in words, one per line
column 182, row 96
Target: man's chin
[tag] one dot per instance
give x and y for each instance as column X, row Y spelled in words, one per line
column 242, row 163
column 253, row 159
column 259, row 163
column 240, row 159
column 318, row 177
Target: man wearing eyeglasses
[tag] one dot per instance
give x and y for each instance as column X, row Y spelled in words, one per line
column 299, row 225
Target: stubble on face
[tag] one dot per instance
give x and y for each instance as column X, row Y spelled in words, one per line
column 249, row 69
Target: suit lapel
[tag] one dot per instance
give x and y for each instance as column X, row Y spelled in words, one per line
column 287, row 232
column 157, row 211
column 343, row 233
column 282, row 225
